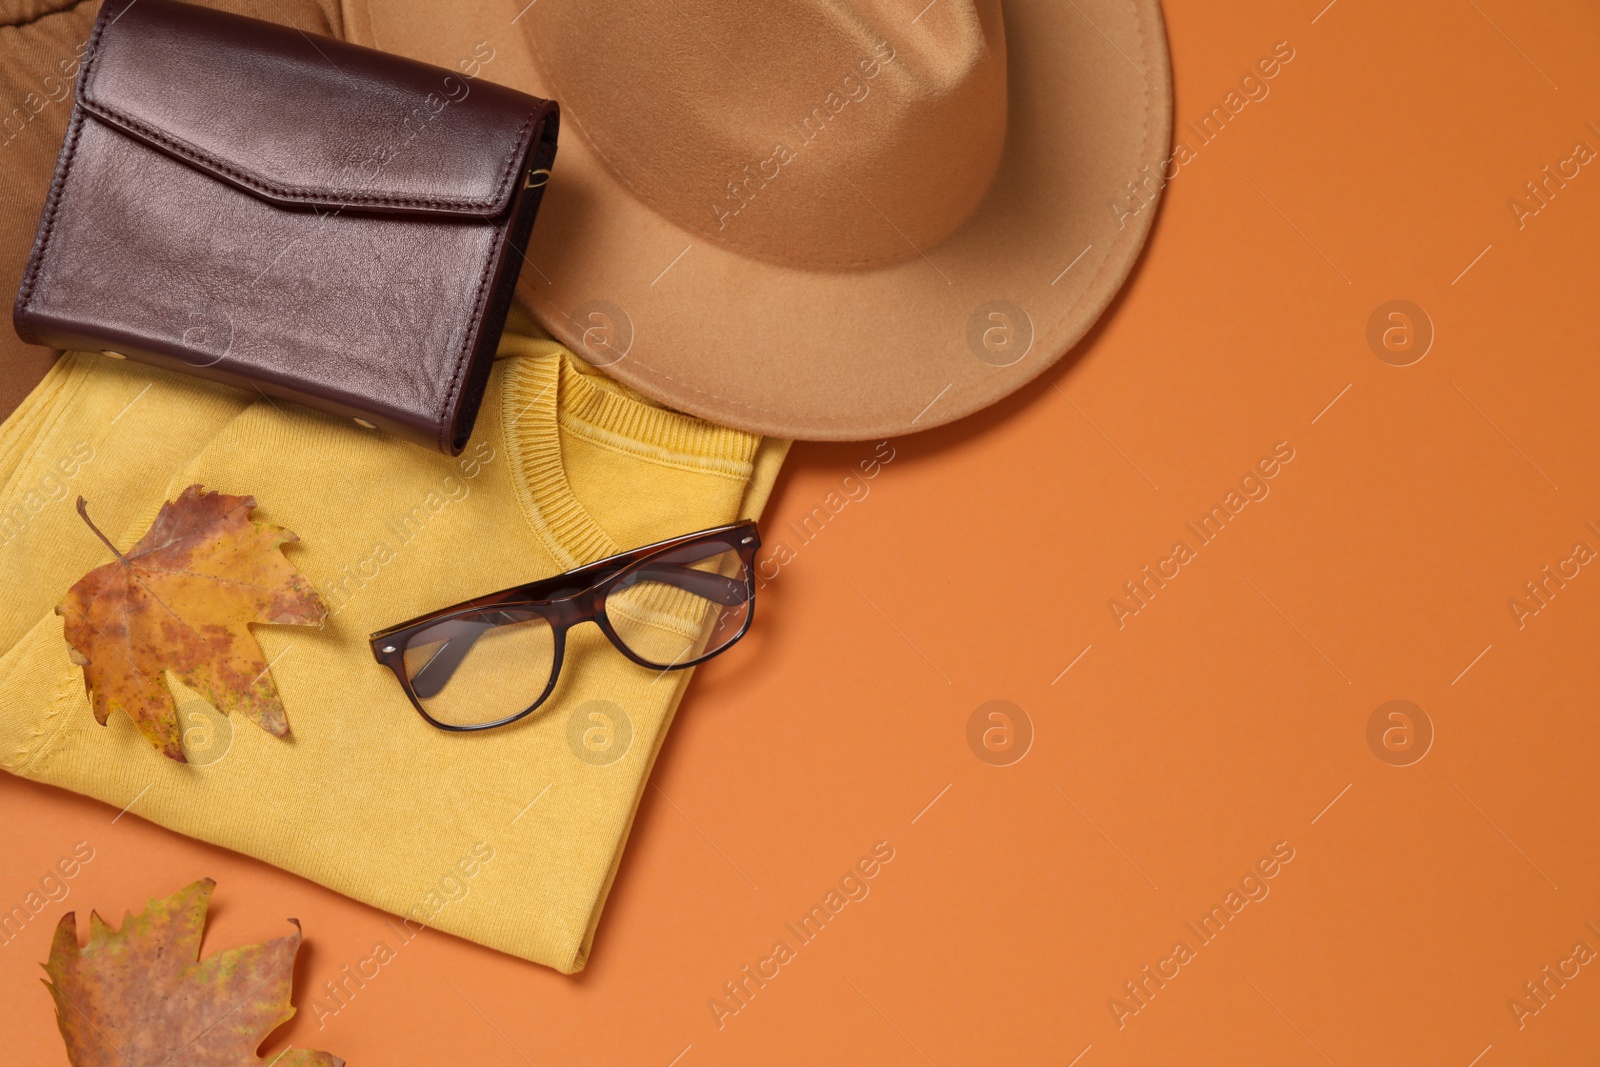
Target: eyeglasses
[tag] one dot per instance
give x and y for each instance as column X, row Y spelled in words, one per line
column 494, row 659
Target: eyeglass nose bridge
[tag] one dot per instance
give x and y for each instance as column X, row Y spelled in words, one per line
column 577, row 606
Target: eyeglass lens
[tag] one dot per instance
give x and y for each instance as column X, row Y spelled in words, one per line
column 671, row 610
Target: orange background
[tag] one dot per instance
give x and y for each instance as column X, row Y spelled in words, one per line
column 1228, row 715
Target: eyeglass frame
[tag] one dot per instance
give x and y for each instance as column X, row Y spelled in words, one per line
column 566, row 600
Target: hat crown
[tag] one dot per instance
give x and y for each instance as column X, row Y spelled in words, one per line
column 816, row 133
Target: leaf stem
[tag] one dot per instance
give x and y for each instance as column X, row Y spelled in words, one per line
column 83, row 510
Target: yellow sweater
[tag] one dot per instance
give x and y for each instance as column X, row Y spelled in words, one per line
column 510, row 837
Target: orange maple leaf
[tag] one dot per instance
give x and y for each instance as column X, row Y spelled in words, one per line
column 182, row 601
column 141, row 996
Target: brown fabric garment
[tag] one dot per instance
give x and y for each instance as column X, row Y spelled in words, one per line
column 40, row 45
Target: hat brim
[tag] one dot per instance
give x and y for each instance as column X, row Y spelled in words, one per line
column 853, row 355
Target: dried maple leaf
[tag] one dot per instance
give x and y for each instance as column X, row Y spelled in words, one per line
column 141, row 996
column 182, row 601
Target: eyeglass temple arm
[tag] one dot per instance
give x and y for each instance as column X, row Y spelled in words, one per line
column 434, row 675
column 728, row 592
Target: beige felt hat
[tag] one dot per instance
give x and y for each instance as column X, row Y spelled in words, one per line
column 822, row 219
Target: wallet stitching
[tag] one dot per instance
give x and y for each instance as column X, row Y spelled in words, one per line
column 304, row 194
column 469, row 343
column 300, row 194
column 87, row 95
column 57, row 194
column 58, row 188
column 519, row 151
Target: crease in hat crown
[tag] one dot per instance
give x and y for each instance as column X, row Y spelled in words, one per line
column 815, row 134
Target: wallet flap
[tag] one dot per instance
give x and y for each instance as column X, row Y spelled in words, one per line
column 307, row 121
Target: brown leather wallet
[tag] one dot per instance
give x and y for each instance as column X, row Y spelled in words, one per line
column 321, row 222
